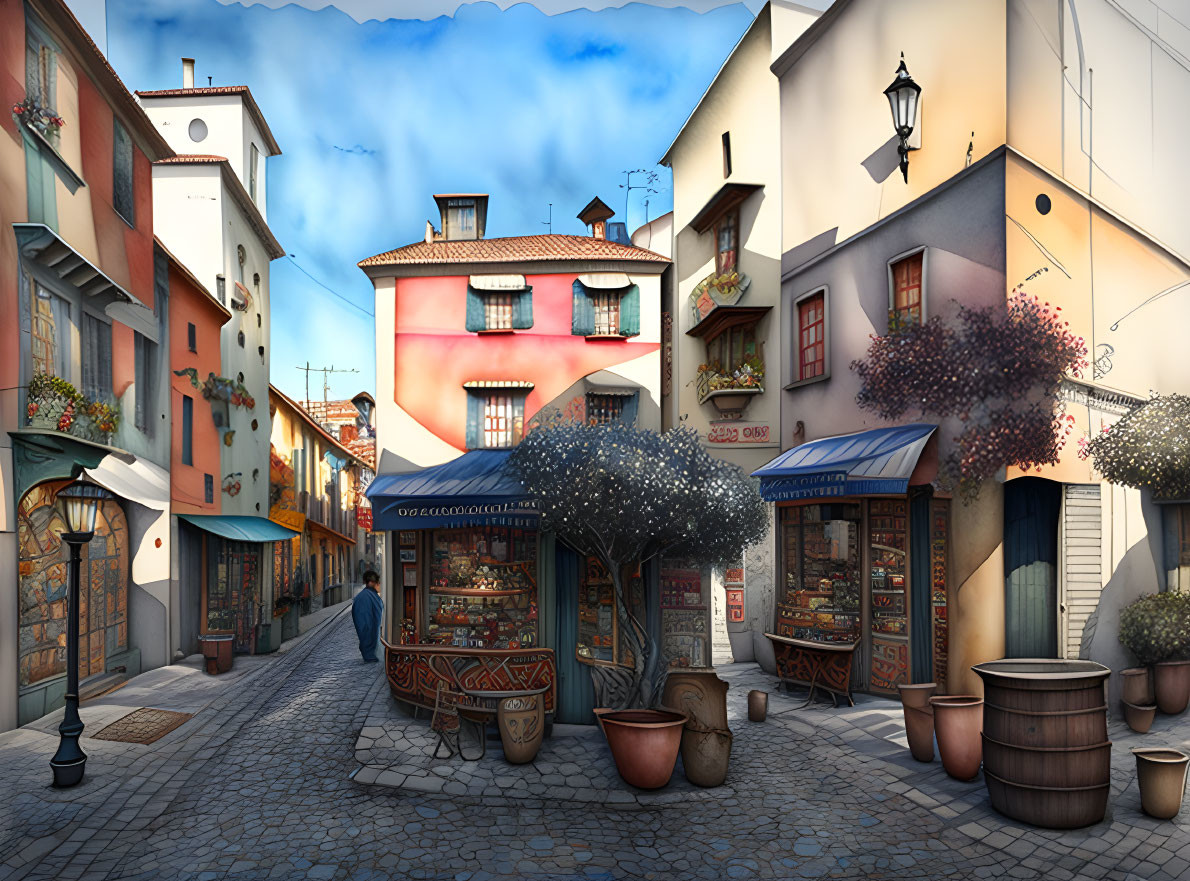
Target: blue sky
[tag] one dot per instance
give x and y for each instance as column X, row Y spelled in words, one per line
column 375, row 116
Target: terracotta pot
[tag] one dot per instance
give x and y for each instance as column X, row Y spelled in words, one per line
column 1171, row 683
column 919, row 719
column 1161, row 774
column 1136, row 686
column 1139, row 719
column 644, row 743
column 521, row 721
column 706, row 739
column 758, row 706
column 958, row 721
column 705, row 756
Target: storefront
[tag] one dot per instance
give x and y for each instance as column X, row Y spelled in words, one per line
column 864, row 551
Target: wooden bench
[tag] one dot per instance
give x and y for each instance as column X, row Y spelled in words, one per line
column 815, row 665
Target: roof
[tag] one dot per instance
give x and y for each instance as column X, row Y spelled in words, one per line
column 331, row 411
column 190, row 277
column 105, row 77
column 594, row 211
column 235, row 186
column 808, row 37
column 513, row 249
column 205, row 91
column 311, row 421
column 364, row 448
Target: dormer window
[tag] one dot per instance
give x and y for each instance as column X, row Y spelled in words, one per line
column 459, row 222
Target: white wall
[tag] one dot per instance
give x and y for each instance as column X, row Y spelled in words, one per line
column 188, row 218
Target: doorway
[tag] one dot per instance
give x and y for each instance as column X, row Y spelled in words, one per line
column 1032, row 506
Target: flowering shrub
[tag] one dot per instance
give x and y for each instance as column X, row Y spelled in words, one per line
column 1147, row 449
column 1157, row 627
column 997, row 373
column 33, row 113
column 55, row 403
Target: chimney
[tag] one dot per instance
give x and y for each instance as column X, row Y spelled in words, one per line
column 348, row 433
column 430, row 233
column 187, row 73
column 595, row 215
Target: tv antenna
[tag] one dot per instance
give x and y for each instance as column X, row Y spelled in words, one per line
column 550, row 222
column 628, row 186
column 326, row 372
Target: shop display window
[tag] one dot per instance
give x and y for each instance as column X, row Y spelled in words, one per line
column 887, row 542
column 820, row 550
column 483, row 588
column 233, row 589
column 600, row 637
column 683, row 616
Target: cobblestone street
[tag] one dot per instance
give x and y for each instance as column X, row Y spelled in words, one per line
column 259, row 784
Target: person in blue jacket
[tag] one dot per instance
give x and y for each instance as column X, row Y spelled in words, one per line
column 366, row 611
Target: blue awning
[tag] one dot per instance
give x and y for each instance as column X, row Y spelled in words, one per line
column 239, row 527
column 470, row 490
column 877, row 461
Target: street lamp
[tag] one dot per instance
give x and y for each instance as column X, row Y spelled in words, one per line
column 902, row 97
column 81, row 501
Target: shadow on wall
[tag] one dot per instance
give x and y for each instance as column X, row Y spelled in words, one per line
column 884, row 161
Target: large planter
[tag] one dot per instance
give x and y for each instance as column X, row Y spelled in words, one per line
column 218, row 651
column 1161, row 775
column 1171, row 683
column 957, row 722
column 1047, row 759
column 644, row 743
column 919, row 719
column 521, row 721
column 706, row 739
column 1136, row 686
column 1139, row 719
column 758, row 705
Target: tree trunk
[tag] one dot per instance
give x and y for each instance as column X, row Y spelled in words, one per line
column 648, row 676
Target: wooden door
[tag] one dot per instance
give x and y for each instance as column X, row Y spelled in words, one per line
column 1032, row 506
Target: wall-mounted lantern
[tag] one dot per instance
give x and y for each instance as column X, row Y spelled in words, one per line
column 903, row 96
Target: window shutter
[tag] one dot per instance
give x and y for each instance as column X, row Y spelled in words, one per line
column 630, row 312
column 187, row 430
column 582, row 319
column 522, row 309
column 474, row 421
column 475, row 316
column 628, row 414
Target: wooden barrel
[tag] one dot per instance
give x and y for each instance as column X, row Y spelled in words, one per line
column 1047, row 759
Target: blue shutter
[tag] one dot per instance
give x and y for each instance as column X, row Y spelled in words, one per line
column 628, row 414
column 582, row 319
column 522, row 309
column 475, row 318
column 630, row 312
column 187, row 430
column 474, row 420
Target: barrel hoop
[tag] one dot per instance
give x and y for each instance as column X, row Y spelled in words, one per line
column 1106, row 785
column 1100, row 709
column 1045, row 749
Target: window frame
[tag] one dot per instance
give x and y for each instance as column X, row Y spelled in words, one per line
column 726, row 140
column 187, row 451
column 253, row 169
column 117, row 129
column 796, row 379
column 478, row 398
column 145, row 379
column 607, row 300
column 192, row 337
column 892, row 290
column 734, row 216
column 46, row 51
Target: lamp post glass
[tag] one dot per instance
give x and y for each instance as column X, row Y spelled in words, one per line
column 902, row 96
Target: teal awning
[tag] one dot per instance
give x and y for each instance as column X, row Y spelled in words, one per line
column 239, row 527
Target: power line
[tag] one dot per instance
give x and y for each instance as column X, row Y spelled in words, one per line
column 329, row 290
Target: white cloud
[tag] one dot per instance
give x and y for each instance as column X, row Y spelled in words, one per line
column 381, row 10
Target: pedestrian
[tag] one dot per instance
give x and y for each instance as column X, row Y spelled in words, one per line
column 366, row 611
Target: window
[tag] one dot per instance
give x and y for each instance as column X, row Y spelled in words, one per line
column 97, row 358
column 460, row 219
column 122, row 173
column 145, row 355
column 240, row 339
column 607, row 312
column 727, row 242
column 188, row 431
column 253, row 163
column 51, row 333
column 497, row 311
column 602, row 409
column 495, row 418
column 191, row 337
column 733, row 347
column 221, row 289
column 40, row 69
column 208, row 486
column 905, row 296
column 811, row 336
column 599, row 636
column 727, row 154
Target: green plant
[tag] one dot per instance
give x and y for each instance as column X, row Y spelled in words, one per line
column 1147, row 449
column 53, row 398
column 1156, row 627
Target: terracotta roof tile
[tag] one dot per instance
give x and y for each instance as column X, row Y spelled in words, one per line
column 513, row 249
column 202, row 91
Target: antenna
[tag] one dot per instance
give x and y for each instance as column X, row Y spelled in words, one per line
column 550, row 222
column 628, row 186
column 208, row 81
column 326, row 372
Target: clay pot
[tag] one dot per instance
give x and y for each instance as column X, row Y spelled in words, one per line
column 1139, row 718
column 644, row 743
column 521, row 721
column 1161, row 774
column 919, row 719
column 1171, row 683
column 705, row 756
column 958, row 721
column 758, row 706
column 1136, row 686
column 706, row 739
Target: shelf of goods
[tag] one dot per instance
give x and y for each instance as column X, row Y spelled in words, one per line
column 887, row 541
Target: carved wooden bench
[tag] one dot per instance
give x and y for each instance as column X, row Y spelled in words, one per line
column 815, row 665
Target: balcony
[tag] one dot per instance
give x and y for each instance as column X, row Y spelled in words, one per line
column 56, row 405
column 730, row 392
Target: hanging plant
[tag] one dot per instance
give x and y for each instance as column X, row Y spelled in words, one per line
column 37, row 115
column 1147, row 449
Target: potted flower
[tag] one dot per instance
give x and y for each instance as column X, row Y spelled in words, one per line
column 39, row 117
column 1156, row 629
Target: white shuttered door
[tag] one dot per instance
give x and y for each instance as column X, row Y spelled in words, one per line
column 1081, row 570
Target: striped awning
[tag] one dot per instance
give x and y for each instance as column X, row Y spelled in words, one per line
column 605, row 280
column 497, row 282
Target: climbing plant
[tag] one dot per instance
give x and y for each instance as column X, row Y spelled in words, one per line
column 1149, row 448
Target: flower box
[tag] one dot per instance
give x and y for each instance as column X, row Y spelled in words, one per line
column 56, row 405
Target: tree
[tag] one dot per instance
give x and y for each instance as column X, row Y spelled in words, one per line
column 627, row 495
column 1147, row 449
column 994, row 374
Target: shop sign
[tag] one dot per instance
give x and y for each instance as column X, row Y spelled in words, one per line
column 735, row 605
column 734, row 576
column 363, row 517
column 807, row 486
column 738, row 433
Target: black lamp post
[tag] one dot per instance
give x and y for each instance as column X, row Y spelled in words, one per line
column 81, row 500
column 902, row 97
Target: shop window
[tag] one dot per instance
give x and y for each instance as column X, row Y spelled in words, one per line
column 811, row 337
column 821, row 560
column 483, row 588
column 887, row 544
column 233, row 589
column 613, row 312
column 727, row 242
column 600, row 636
column 906, row 304
column 495, row 418
column 499, row 310
column 145, row 357
column 684, row 640
column 122, row 189
column 97, row 358
column 51, row 331
column 188, row 431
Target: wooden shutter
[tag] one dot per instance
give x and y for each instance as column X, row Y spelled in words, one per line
column 582, row 319
column 475, row 317
column 630, row 312
column 122, row 187
column 522, row 309
column 628, row 414
column 1082, row 574
column 474, row 421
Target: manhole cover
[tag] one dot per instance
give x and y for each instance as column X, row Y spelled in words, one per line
column 142, row 726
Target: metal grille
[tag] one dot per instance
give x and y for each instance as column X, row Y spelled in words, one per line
column 498, row 420
column 497, row 311
column 602, row 409
column 607, row 312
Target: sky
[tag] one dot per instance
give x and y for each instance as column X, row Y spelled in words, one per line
column 373, row 116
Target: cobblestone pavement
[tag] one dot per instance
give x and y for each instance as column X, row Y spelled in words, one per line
column 258, row 785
